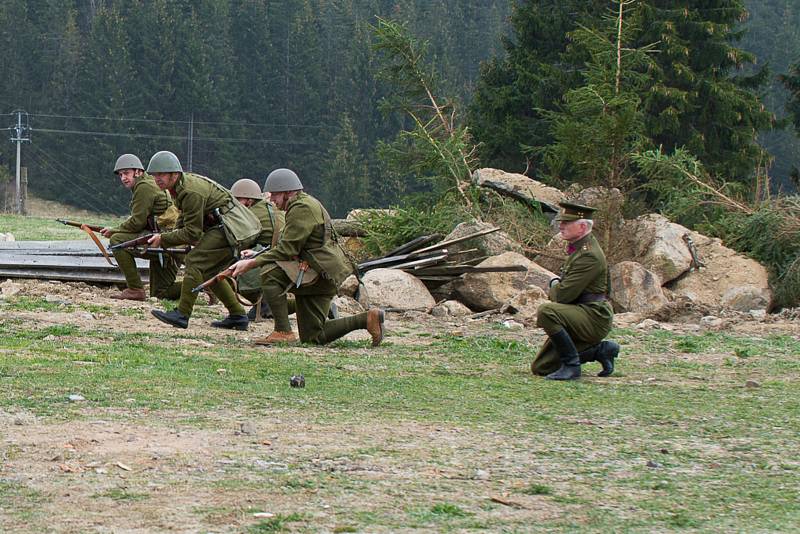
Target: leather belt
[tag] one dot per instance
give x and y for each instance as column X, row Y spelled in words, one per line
column 585, row 298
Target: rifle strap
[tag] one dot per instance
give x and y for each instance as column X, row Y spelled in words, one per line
column 99, row 244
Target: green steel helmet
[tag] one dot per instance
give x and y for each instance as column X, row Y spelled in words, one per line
column 164, row 161
column 246, row 188
column 127, row 161
column 282, row 180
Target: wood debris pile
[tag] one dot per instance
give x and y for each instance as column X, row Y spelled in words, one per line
column 433, row 264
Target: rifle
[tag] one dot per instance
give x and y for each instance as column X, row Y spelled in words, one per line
column 226, row 273
column 90, row 229
column 139, row 241
column 173, row 250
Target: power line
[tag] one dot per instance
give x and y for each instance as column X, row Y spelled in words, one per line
column 174, row 137
column 184, row 122
column 57, row 168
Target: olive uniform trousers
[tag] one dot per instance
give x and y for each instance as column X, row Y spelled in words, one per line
column 211, row 255
column 587, row 325
column 162, row 278
column 312, row 303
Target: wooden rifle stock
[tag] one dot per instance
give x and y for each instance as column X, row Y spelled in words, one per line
column 141, row 240
column 226, row 273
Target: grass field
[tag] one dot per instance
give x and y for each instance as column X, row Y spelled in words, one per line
column 33, row 228
column 441, row 429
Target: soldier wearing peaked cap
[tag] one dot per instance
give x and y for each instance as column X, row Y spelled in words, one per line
column 579, row 315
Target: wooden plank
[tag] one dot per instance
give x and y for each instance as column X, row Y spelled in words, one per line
column 62, row 262
column 412, row 245
column 457, row 240
column 111, row 277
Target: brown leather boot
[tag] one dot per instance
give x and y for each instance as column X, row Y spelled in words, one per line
column 277, row 337
column 130, row 294
column 375, row 325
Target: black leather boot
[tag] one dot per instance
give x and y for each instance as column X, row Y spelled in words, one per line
column 174, row 317
column 232, row 322
column 607, row 351
column 570, row 361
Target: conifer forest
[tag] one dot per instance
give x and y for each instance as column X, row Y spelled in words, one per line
column 237, row 88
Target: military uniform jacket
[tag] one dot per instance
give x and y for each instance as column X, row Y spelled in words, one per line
column 584, row 275
column 196, row 197
column 305, row 237
column 147, row 201
column 270, row 217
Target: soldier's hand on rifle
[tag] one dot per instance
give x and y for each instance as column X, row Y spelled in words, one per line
column 247, row 253
column 241, row 267
column 154, row 241
column 106, row 232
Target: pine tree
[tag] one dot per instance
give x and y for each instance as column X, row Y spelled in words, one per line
column 345, row 182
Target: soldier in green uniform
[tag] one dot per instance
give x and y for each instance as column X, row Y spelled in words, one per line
column 208, row 212
column 308, row 262
column 248, row 192
column 148, row 202
column 579, row 315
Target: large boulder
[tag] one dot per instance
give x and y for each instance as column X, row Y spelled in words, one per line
column 728, row 279
column 658, row 245
column 486, row 245
column 393, row 288
column 635, row 289
column 526, row 303
column 518, row 186
column 488, row 291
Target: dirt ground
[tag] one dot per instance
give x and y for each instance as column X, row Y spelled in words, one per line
column 94, row 471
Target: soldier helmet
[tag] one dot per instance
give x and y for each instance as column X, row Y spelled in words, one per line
column 164, row 161
column 128, row 161
column 246, row 188
column 282, row 180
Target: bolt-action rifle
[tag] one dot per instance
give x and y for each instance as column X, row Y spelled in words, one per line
column 76, row 224
column 226, row 273
column 90, row 229
column 137, row 242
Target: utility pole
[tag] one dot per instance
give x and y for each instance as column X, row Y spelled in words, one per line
column 190, row 142
column 19, row 135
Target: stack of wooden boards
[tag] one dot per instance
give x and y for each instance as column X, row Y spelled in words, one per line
column 433, row 264
column 78, row 261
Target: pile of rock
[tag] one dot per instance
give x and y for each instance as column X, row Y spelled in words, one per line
column 654, row 264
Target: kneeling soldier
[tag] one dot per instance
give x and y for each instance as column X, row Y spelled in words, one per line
column 580, row 314
column 148, row 202
column 308, row 262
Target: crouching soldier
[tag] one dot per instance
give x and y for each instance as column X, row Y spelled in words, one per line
column 149, row 207
column 248, row 192
column 308, row 262
column 579, row 315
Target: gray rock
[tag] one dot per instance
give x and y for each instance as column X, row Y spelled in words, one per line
column 728, row 278
column 349, row 286
column 745, row 299
column 486, row 291
column 658, row 245
column 635, row 289
column 518, row 186
column 392, row 288
column 76, row 398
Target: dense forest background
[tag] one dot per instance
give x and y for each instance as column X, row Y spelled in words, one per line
column 251, row 85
